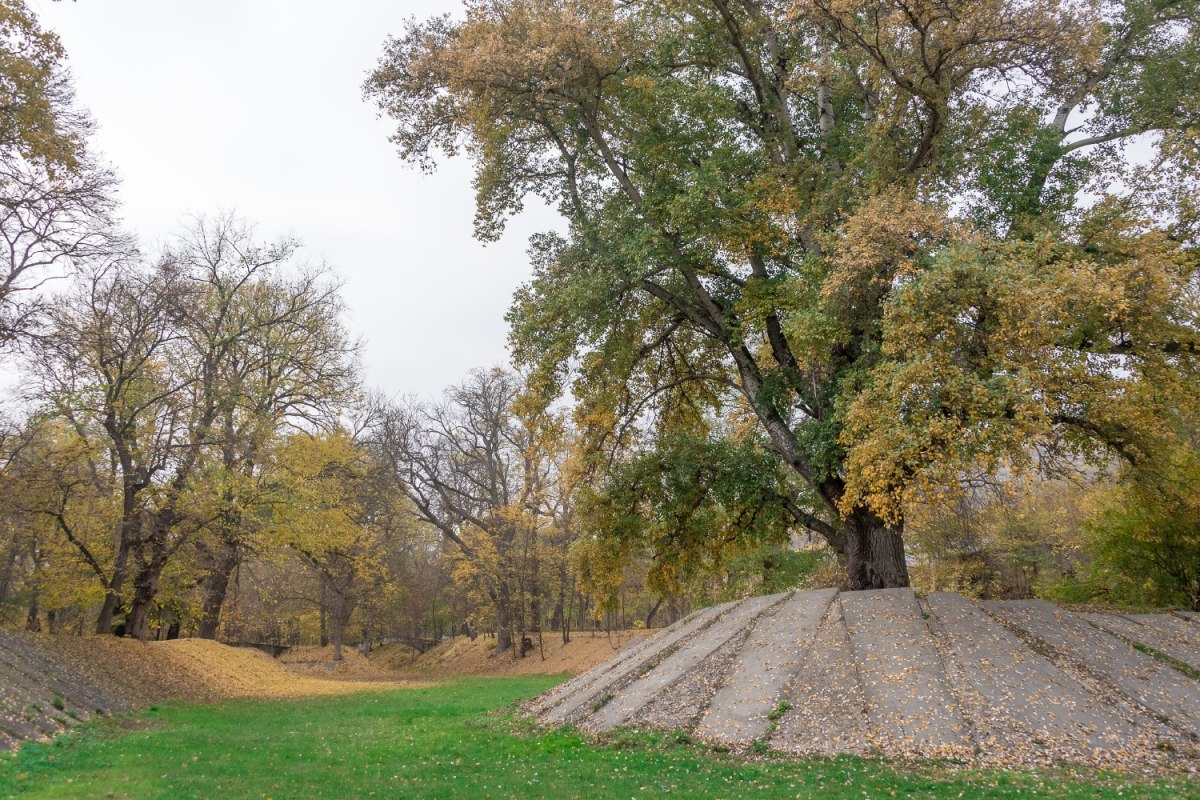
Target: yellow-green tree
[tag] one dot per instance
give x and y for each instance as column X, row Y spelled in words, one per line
column 1142, row 542
column 58, row 516
column 333, row 513
column 180, row 372
column 901, row 235
column 56, row 200
column 480, row 472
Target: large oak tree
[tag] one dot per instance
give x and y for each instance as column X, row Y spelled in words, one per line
column 912, row 240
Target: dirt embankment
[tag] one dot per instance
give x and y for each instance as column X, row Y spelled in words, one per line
column 461, row 656
column 48, row 683
column 318, row 662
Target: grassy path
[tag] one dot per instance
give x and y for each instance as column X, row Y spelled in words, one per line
column 434, row 743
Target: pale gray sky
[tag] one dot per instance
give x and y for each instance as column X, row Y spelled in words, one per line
column 255, row 106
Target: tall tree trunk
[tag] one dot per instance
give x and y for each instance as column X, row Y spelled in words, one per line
column 127, row 533
column 33, row 620
column 338, row 625
column 151, row 558
column 503, row 620
column 323, row 614
column 559, row 621
column 228, row 552
column 570, row 612
column 145, row 590
column 341, row 609
column 368, row 631
column 112, row 592
column 215, row 590
column 108, row 610
column 653, row 611
column 874, row 553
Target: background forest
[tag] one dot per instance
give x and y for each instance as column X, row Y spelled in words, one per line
column 712, row 392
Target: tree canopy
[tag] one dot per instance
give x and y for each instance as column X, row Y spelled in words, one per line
column 896, row 245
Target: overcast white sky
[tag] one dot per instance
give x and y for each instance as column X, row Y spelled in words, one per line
column 255, row 106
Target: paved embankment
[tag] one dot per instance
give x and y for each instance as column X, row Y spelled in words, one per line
column 1019, row 682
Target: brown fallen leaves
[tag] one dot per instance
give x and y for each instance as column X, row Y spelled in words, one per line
column 193, row 670
column 461, row 656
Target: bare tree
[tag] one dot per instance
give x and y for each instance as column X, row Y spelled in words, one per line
column 470, row 468
column 276, row 355
column 50, row 224
column 182, row 370
column 101, row 367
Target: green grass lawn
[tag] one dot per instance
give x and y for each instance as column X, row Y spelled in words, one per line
column 439, row 742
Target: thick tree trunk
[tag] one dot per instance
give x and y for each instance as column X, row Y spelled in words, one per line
column 112, row 593
column 33, row 620
column 130, row 521
column 368, row 636
column 137, row 625
column 874, row 553
column 341, row 609
column 107, row 611
column 556, row 616
column 215, row 590
column 145, row 590
column 149, row 576
column 503, row 622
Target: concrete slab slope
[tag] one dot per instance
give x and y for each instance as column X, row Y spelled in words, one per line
column 1166, row 694
column 579, row 700
column 632, row 698
column 1015, row 698
column 77, row 693
column 1165, row 633
column 828, row 708
column 545, row 701
column 908, row 700
column 771, row 657
column 1172, row 625
column 823, row 672
column 39, row 699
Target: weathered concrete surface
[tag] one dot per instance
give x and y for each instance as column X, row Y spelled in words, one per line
column 627, row 666
column 1171, row 625
column 588, row 678
column 681, row 704
column 1012, row 694
column 1166, row 694
column 828, row 710
column 1185, row 635
column 1165, row 633
column 903, row 678
column 770, row 659
column 38, row 699
column 627, row 702
column 77, row 694
column 877, row 672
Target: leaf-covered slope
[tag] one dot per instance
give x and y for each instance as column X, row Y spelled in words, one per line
column 1015, row 682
